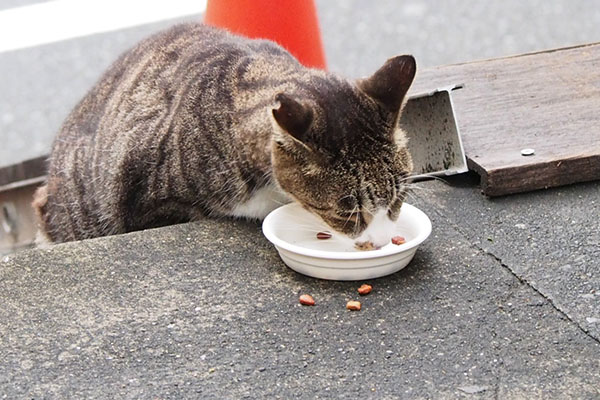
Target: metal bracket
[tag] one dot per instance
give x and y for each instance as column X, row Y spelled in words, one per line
column 17, row 220
column 434, row 141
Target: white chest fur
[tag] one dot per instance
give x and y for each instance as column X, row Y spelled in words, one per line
column 262, row 202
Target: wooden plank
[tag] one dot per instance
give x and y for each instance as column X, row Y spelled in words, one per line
column 26, row 170
column 548, row 101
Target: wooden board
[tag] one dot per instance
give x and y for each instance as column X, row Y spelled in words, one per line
column 14, row 175
column 548, row 101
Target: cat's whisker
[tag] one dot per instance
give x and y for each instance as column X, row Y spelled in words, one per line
column 356, row 226
column 280, row 202
column 352, row 213
column 421, row 192
column 347, row 196
column 420, row 189
column 413, row 197
column 313, row 232
column 411, row 179
column 309, row 225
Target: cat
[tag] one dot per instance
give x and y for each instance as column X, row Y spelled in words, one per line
column 195, row 121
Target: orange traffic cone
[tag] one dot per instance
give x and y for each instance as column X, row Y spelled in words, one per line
column 291, row 23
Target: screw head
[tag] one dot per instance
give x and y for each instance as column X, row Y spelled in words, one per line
column 527, row 152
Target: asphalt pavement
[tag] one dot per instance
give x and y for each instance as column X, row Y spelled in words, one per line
column 208, row 310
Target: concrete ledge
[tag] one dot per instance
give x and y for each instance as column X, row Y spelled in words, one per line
column 208, row 310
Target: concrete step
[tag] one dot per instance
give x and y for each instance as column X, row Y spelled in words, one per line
column 208, row 310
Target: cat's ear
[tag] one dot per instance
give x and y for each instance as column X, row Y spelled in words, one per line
column 391, row 82
column 293, row 117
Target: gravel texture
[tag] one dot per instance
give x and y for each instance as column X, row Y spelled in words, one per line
column 208, row 310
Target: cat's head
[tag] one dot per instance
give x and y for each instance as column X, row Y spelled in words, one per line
column 338, row 151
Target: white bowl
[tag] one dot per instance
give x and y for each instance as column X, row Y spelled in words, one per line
column 293, row 231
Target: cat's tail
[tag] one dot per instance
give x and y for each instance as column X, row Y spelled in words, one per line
column 40, row 201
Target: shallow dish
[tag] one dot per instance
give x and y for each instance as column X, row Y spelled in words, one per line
column 293, row 231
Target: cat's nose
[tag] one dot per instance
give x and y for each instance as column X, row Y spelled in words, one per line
column 378, row 239
column 379, row 231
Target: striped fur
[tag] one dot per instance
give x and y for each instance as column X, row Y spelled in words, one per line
column 184, row 125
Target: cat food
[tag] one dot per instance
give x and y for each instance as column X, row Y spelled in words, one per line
column 323, row 235
column 364, row 289
column 307, row 300
column 398, row 240
column 365, row 246
column 353, row 305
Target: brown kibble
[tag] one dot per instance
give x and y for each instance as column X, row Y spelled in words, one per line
column 323, row 235
column 307, row 300
column 364, row 289
column 353, row 305
column 398, row 240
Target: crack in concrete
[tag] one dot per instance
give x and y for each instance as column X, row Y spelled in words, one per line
column 514, row 273
column 547, row 298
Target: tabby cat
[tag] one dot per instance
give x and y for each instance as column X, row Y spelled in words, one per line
column 195, row 121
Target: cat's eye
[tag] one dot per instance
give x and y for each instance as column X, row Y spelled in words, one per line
column 349, row 202
column 348, row 214
column 349, row 219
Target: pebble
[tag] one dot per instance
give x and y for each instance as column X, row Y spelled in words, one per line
column 472, row 389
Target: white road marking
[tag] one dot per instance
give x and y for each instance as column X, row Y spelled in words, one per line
column 57, row 20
